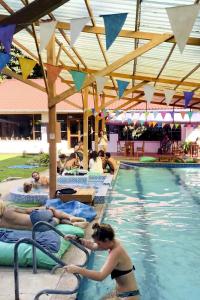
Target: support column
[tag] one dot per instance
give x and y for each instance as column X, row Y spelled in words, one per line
column 96, row 122
column 103, row 122
column 52, row 122
column 85, row 128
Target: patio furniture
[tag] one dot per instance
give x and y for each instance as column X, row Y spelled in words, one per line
column 194, row 149
column 129, row 148
column 140, row 149
column 120, row 148
column 85, row 195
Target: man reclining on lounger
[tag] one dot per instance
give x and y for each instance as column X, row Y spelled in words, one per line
column 25, row 218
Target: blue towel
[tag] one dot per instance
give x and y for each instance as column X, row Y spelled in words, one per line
column 74, row 208
column 50, row 240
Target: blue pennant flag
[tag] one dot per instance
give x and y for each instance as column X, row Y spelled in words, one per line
column 6, row 35
column 188, row 97
column 4, row 59
column 113, row 25
column 122, row 85
column 79, row 78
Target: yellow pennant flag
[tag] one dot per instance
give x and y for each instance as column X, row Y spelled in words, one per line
column 27, row 66
column 154, row 124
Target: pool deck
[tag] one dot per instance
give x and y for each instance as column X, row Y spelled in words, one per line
column 30, row 284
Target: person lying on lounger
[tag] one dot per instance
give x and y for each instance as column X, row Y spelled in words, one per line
column 25, row 218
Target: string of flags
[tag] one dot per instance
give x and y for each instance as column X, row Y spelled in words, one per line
column 113, row 23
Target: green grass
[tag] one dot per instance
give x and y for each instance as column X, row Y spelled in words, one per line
column 12, row 160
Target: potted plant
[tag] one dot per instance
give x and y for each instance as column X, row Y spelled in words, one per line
column 186, row 146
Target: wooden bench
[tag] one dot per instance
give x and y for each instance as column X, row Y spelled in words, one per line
column 82, row 195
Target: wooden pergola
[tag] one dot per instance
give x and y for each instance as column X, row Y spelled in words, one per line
column 27, row 19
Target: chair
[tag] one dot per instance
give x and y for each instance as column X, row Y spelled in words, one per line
column 120, row 148
column 140, row 149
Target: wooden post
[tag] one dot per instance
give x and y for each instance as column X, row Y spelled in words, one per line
column 103, row 122
column 85, row 128
column 96, row 121
column 52, row 122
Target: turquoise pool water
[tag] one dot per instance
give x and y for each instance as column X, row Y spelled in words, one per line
column 156, row 215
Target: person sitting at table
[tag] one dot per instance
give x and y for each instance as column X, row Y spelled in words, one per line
column 95, row 163
column 61, row 164
column 165, row 145
column 111, row 163
column 25, row 218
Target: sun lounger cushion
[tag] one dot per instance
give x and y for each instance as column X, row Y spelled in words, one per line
column 25, row 250
column 147, row 159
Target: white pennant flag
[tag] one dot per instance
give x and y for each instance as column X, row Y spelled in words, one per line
column 148, row 92
column 101, row 81
column 182, row 19
column 169, row 95
column 76, row 26
column 46, row 31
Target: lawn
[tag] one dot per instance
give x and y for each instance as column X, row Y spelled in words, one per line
column 7, row 160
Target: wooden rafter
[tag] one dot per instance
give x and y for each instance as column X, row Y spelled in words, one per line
column 117, row 64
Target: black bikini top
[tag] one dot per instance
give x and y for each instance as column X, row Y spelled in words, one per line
column 117, row 273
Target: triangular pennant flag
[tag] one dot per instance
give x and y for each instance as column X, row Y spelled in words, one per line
column 134, row 123
column 154, row 124
column 117, row 113
column 76, row 26
column 182, row 114
column 163, row 125
column 53, row 72
column 148, row 92
column 6, row 36
column 171, row 125
column 129, row 121
column 101, row 81
column 182, row 19
column 113, row 24
column 188, row 97
column 169, row 95
column 47, row 29
column 163, row 114
column 146, row 113
column 190, row 113
column 159, row 124
column 177, row 125
column 79, row 78
column 142, row 123
column 27, row 66
column 172, row 115
column 4, row 59
column 122, row 85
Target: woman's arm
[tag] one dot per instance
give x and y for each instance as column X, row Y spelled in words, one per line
column 106, row 270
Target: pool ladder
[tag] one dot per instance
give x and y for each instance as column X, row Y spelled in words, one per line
column 59, row 262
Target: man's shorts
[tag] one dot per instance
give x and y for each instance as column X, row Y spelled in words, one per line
column 42, row 215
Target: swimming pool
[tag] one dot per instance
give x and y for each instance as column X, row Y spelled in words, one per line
column 156, row 214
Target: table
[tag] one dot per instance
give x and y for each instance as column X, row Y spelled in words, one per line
column 83, row 195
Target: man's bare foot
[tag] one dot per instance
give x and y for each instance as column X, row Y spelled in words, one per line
column 77, row 219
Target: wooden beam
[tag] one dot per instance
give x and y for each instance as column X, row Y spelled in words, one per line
column 117, row 64
column 135, row 77
column 85, row 128
column 52, row 122
column 32, row 13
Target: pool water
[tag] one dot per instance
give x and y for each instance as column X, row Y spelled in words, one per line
column 156, row 215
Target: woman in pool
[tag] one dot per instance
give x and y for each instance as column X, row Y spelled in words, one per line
column 25, row 218
column 118, row 263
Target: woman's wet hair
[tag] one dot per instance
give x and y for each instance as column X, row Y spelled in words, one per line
column 94, row 155
column 27, row 187
column 103, row 232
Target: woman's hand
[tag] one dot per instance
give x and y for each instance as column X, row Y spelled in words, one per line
column 68, row 237
column 72, row 269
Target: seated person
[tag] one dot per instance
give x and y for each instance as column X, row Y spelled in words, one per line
column 27, row 187
column 95, row 163
column 61, row 164
column 72, row 162
column 78, row 149
column 111, row 162
column 165, row 145
column 101, row 154
column 39, row 180
column 25, row 218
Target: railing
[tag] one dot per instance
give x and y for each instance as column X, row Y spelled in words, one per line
column 52, row 256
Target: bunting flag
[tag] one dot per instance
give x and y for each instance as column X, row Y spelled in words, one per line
column 183, row 114
column 142, row 123
column 76, row 26
column 172, row 115
column 171, row 125
column 100, row 81
column 169, row 95
column 47, row 28
column 53, row 72
column 122, row 85
column 163, row 125
column 163, row 114
column 113, row 24
column 146, row 113
column 154, row 124
column 6, row 36
column 117, row 113
column 188, row 97
column 27, row 66
column 159, row 125
column 79, row 78
column 148, row 92
column 177, row 125
column 190, row 114
column 4, row 59
column 135, row 122
column 182, row 19
column 129, row 121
